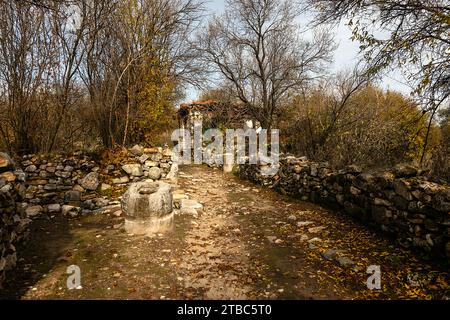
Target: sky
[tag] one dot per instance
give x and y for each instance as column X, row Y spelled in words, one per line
column 345, row 56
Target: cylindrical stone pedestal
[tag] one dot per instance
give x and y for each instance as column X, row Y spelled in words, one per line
column 147, row 207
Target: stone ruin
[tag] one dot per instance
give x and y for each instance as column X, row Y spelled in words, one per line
column 74, row 185
column 399, row 201
column 147, row 206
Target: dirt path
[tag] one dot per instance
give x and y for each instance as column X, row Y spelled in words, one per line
column 246, row 243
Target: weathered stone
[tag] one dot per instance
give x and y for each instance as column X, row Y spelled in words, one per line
column 304, row 223
column 51, row 187
column 381, row 202
column 68, row 168
column 385, row 179
column 121, row 180
column 72, row 211
column 352, row 208
column 137, row 150
column 353, row 169
column 173, row 173
column 34, row 210
column 150, row 163
column 340, row 198
column 401, row 187
column 147, row 199
column 354, row 191
column 331, row 254
column 88, row 204
column 100, row 202
column 72, row 197
column 156, row 157
column 380, row 214
column 105, row 186
column 63, row 174
column 151, row 150
column 441, row 205
column 154, row 173
column 53, row 208
column 8, row 176
column 316, row 229
column 50, row 169
column 147, row 207
column 345, row 262
column 189, row 206
column 133, row 169
column 78, row 188
column 190, row 211
column 31, row 168
column 404, row 170
column 400, row 202
column 90, row 181
column 429, row 188
column 179, row 196
column 143, row 158
column 6, row 162
column 164, row 165
column 167, row 152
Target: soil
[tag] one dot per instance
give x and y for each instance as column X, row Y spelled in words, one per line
column 247, row 243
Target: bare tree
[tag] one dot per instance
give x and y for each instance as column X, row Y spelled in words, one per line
column 414, row 38
column 256, row 46
column 68, row 29
column 56, row 54
column 25, row 53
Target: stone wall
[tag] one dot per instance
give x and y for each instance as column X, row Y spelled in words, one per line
column 401, row 201
column 13, row 221
column 70, row 185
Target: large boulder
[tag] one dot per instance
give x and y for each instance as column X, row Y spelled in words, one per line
column 90, row 181
column 147, row 207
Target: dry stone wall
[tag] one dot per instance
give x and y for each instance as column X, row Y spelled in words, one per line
column 13, row 221
column 401, row 201
column 70, row 185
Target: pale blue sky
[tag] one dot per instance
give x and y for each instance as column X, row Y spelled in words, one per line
column 345, row 56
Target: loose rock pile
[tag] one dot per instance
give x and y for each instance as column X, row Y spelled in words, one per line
column 400, row 201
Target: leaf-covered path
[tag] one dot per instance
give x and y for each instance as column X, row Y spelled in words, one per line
column 246, row 243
